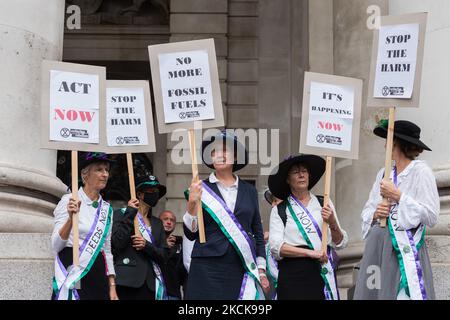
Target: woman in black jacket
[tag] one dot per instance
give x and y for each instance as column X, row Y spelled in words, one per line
column 138, row 255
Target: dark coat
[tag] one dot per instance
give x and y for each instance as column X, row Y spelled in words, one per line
column 247, row 213
column 216, row 269
column 134, row 268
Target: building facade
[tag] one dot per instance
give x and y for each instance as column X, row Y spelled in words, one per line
column 263, row 48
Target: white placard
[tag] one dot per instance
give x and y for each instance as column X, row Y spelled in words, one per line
column 186, row 86
column 74, row 107
column 396, row 61
column 126, row 122
column 331, row 113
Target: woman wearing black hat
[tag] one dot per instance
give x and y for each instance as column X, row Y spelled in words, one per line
column 137, row 258
column 96, row 268
column 397, row 253
column 231, row 264
column 295, row 236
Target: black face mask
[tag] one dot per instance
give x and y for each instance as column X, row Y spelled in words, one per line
column 151, row 198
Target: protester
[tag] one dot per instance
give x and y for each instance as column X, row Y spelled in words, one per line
column 231, row 263
column 398, row 250
column 295, row 236
column 138, row 257
column 96, row 268
column 173, row 270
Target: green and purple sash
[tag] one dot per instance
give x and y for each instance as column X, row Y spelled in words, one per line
column 407, row 245
column 251, row 286
column 65, row 279
column 309, row 229
column 160, row 288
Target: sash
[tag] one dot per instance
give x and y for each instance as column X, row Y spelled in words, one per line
column 406, row 246
column 311, row 232
column 251, row 286
column 64, row 280
column 160, row 289
column 272, row 269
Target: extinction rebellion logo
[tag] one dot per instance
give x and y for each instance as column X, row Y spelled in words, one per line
column 65, row 132
column 393, row 91
column 119, row 140
column 190, row 114
column 75, row 133
column 127, row 140
column 320, row 138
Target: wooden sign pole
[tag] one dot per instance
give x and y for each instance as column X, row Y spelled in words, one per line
column 132, row 189
column 326, row 201
column 75, row 233
column 388, row 160
column 201, row 227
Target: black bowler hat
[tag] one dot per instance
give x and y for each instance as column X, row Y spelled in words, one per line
column 403, row 130
column 229, row 138
column 87, row 158
column 143, row 181
column 278, row 185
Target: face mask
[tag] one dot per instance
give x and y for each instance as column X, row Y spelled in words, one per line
column 151, row 198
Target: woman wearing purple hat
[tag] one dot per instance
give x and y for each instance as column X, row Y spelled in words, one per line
column 295, row 234
column 95, row 272
column 397, row 253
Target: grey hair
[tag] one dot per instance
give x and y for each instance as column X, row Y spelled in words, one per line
column 85, row 172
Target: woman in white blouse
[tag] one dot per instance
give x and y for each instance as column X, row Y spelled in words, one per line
column 305, row 272
column 94, row 278
column 395, row 264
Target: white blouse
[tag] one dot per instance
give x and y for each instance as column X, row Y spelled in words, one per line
column 418, row 204
column 85, row 221
column 279, row 234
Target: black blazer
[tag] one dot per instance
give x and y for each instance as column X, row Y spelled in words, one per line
column 133, row 267
column 247, row 213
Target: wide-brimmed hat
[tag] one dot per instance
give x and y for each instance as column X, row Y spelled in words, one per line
column 87, row 158
column 403, row 130
column 240, row 152
column 278, row 185
column 143, row 181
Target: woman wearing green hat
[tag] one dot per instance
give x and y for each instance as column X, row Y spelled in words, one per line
column 395, row 263
column 295, row 234
column 96, row 268
column 137, row 257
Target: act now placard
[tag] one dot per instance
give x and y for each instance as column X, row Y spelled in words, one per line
column 72, row 106
column 331, row 116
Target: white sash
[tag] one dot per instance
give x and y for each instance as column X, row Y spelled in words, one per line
column 160, row 289
column 251, row 286
column 309, row 230
column 64, row 280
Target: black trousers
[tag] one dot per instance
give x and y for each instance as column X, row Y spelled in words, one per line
column 94, row 285
column 300, row 279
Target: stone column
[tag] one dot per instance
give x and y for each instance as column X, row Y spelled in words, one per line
column 432, row 117
column 352, row 55
column 30, row 31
